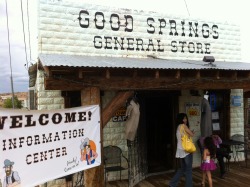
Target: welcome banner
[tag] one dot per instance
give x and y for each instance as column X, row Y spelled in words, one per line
column 39, row 146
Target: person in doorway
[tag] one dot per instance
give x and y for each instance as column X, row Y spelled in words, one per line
column 208, row 165
column 186, row 159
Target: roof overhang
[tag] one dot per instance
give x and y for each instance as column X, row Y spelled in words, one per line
column 72, row 72
column 136, row 63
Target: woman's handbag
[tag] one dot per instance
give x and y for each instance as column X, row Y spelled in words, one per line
column 186, row 141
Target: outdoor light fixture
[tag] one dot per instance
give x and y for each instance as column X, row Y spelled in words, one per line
column 210, row 60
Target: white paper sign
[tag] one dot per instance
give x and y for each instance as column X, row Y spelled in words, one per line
column 216, row 126
column 215, row 115
column 39, row 146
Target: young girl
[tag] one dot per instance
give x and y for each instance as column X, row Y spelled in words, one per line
column 208, row 164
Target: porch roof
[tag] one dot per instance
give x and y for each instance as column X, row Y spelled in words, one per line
column 72, row 72
column 137, row 63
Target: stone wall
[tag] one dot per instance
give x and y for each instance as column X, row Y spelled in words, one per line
column 64, row 28
column 48, row 100
column 113, row 134
column 237, row 114
column 237, row 117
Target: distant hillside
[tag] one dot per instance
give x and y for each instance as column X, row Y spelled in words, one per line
column 20, row 95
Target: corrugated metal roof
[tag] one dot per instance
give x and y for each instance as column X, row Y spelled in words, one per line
column 137, row 63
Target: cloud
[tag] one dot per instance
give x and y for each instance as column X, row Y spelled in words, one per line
column 17, row 56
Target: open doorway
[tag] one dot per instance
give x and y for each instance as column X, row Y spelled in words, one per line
column 71, row 98
column 159, row 111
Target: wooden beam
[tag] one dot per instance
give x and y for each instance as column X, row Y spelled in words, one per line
column 147, row 83
column 107, row 74
column 93, row 177
column 234, row 75
column 198, row 74
column 217, row 75
column 134, row 73
column 80, row 74
column 178, row 74
column 157, row 74
column 247, row 94
column 90, row 96
column 47, row 71
column 117, row 102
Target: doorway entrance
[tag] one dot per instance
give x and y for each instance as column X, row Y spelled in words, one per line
column 159, row 110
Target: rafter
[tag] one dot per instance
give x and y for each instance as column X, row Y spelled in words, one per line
column 142, row 79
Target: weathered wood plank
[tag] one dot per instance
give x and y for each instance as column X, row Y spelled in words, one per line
column 238, row 176
column 117, row 102
column 93, row 177
column 147, row 83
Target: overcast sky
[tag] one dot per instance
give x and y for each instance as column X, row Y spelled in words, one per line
column 17, row 57
column 221, row 10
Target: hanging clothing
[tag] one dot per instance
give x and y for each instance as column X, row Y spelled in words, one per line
column 206, row 118
column 131, row 124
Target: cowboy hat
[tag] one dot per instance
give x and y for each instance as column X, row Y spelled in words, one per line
column 8, row 163
column 84, row 143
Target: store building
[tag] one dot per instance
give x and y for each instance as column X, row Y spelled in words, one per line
column 91, row 54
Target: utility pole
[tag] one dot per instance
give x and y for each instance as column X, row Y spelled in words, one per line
column 12, row 89
column 11, row 79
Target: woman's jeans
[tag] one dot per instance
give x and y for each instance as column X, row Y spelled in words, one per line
column 185, row 169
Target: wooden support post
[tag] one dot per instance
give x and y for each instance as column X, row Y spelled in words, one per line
column 93, row 177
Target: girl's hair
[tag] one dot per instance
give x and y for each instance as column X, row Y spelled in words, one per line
column 209, row 144
column 180, row 118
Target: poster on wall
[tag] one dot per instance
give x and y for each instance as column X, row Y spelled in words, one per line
column 42, row 145
column 120, row 115
column 235, row 100
column 192, row 109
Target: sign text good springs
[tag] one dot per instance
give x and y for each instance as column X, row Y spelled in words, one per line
column 186, row 34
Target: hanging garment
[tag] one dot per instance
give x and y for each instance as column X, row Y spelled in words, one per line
column 206, row 118
column 131, row 124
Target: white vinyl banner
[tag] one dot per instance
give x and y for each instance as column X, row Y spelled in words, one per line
column 42, row 145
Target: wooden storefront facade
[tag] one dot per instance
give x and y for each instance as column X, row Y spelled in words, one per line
column 159, row 62
column 129, row 85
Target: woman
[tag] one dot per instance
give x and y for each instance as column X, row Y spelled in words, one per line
column 185, row 157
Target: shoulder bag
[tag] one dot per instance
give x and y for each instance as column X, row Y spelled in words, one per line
column 186, row 141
